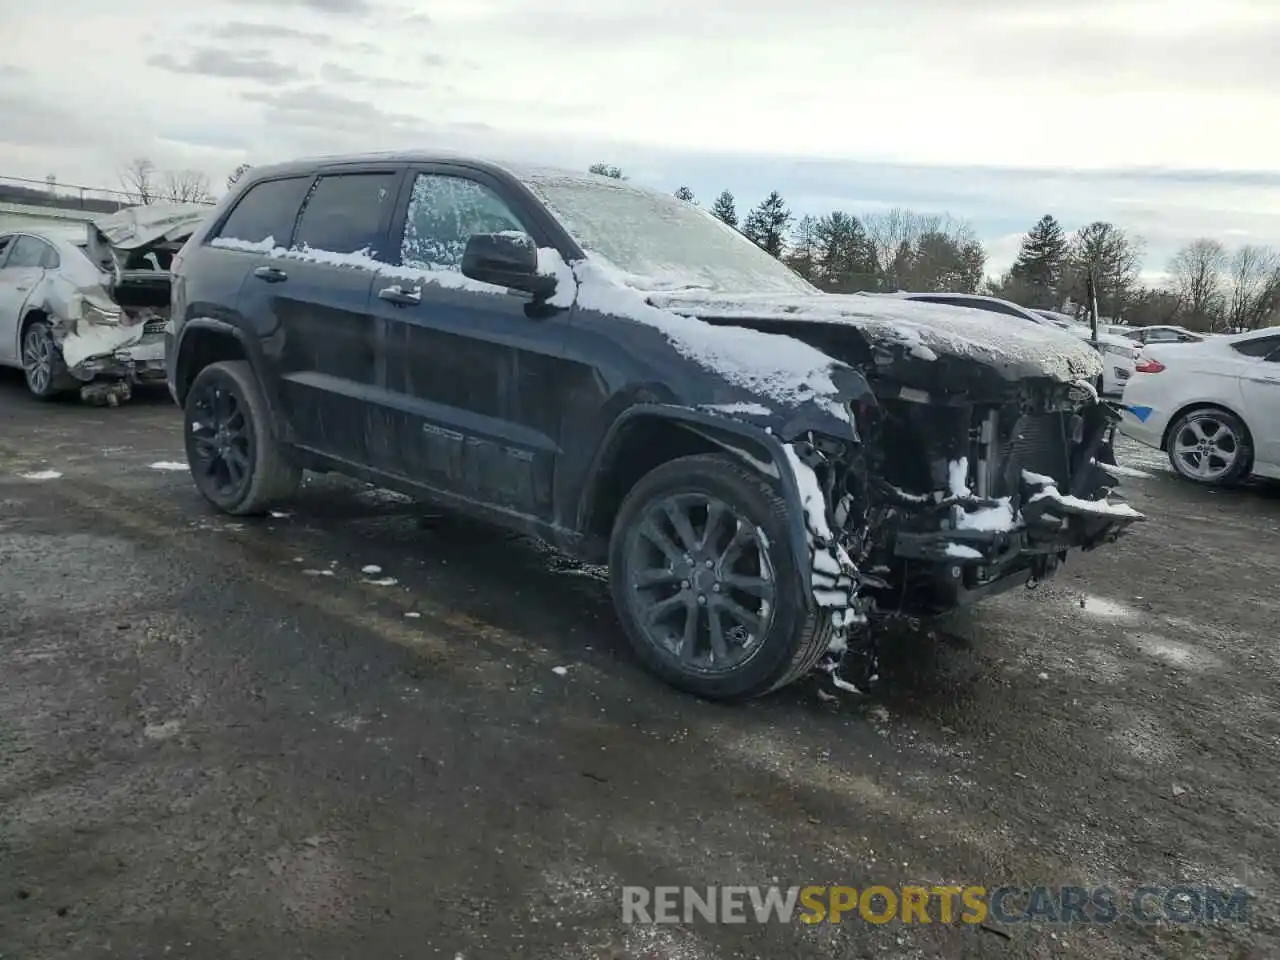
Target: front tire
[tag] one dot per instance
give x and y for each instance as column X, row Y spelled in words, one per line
column 235, row 461
column 706, row 584
column 1210, row 446
column 42, row 365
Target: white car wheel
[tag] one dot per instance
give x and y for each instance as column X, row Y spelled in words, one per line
column 1209, row 446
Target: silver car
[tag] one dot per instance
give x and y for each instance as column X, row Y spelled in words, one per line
column 85, row 308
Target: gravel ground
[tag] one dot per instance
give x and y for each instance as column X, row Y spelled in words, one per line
column 227, row 740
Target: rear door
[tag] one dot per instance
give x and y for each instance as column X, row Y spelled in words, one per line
column 470, row 376
column 21, row 267
column 317, row 292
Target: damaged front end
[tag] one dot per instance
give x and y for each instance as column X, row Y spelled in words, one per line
column 946, row 500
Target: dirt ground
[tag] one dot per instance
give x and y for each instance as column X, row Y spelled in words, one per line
column 225, row 740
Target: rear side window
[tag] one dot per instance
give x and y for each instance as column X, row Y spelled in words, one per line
column 267, row 211
column 5, row 243
column 348, row 213
column 1257, row 348
column 28, row 252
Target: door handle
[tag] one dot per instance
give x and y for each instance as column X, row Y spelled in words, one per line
column 1275, row 379
column 270, row 274
column 400, row 296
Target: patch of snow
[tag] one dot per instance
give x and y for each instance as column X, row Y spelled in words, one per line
column 1100, row 508
column 560, row 671
column 958, row 476
column 750, row 409
column 1105, row 608
column 412, row 614
column 992, row 519
column 318, row 573
column 811, row 498
column 963, row 552
column 280, row 515
column 161, row 731
column 1120, row 471
column 1038, row 479
column 371, row 568
column 383, row 582
column 168, row 465
column 768, row 364
column 41, row 475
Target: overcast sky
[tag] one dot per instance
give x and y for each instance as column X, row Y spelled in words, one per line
column 1159, row 116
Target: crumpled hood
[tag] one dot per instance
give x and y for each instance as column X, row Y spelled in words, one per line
column 1017, row 349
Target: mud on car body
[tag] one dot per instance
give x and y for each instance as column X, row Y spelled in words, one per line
column 766, row 469
column 85, row 307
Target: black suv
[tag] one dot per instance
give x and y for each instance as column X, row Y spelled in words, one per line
column 765, row 468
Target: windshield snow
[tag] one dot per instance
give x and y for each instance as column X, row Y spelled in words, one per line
column 662, row 243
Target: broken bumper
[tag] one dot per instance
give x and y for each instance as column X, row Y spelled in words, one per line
column 973, row 563
column 140, row 362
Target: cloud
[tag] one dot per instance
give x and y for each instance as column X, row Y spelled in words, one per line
column 1149, row 113
column 213, row 62
column 239, row 30
column 346, row 8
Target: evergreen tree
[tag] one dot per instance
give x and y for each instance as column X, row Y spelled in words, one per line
column 606, row 170
column 685, row 194
column 724, row 208
column 1040, row 262
column 767, row 224
column 846, row 260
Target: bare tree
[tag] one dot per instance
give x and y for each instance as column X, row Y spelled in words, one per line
column 1253, row 287
column 138, row 180
column 1197, row 278
column 924, row 251
column 1115, row 260
column 185, row 186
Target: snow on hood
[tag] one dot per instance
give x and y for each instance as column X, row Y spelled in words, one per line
column 922, row 328
column 151, row 223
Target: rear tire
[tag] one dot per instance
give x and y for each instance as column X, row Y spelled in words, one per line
column 42, row 365
column 1210, row 446
column 752, row 630
column 235, row 460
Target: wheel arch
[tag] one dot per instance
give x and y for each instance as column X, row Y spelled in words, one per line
column 30, row 314
column 648, row 435
column 205, row 340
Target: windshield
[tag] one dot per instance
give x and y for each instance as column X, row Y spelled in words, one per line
column 662, row 242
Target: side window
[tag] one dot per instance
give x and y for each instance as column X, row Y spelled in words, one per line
column 266, row 212
column 1162, row 336
column 28, row 252
column 50, row 260
column 1257, row 348
column 5, row 243
column 345, row 213
column 444, row 212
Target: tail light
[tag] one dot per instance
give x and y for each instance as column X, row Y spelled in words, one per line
column 1148, row 366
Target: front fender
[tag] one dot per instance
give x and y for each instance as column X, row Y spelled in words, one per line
column 756, row 443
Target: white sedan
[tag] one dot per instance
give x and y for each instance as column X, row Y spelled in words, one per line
column 1213, row 406
column 86, row 308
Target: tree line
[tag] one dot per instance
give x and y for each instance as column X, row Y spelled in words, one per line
column 1208, row 288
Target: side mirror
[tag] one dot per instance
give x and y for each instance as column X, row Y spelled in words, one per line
column 507, row 260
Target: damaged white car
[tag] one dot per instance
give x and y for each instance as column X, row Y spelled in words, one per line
column 85, row 308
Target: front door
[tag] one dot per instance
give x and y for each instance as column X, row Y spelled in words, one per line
column 471, row 373
column 1260, row 387
column 21, row 268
